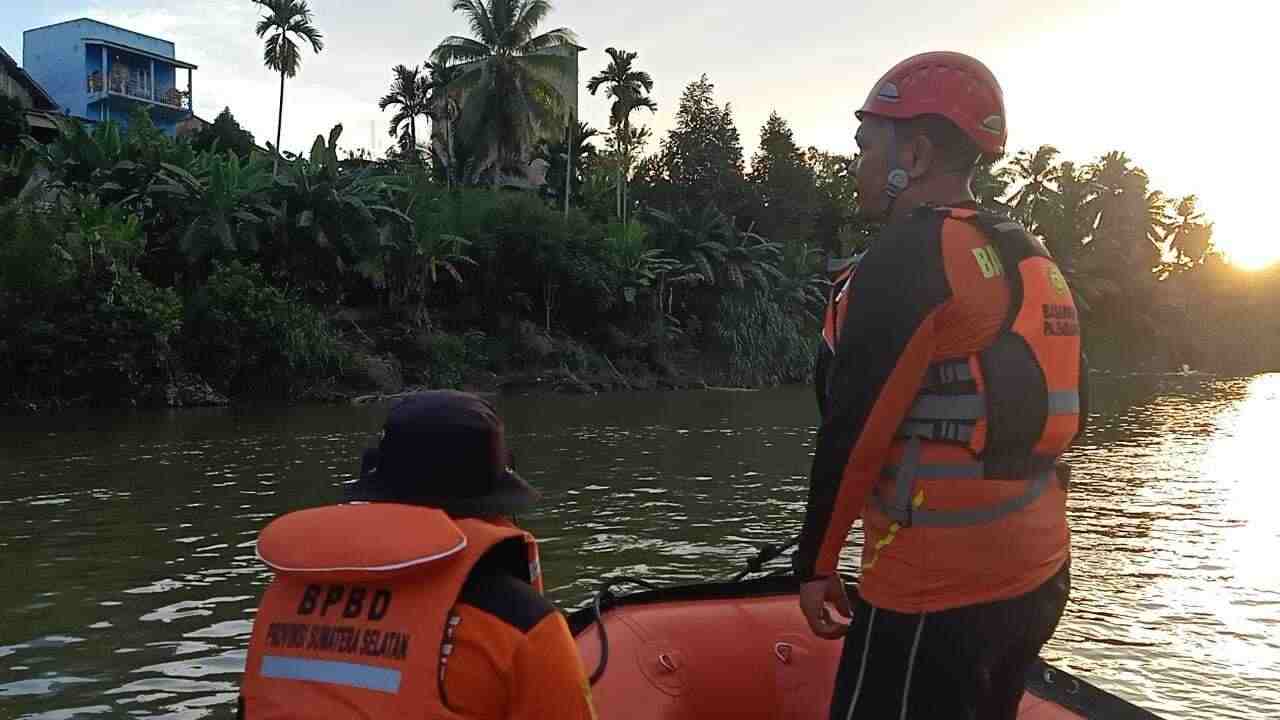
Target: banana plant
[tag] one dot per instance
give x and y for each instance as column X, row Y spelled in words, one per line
column 224, row 200
column 637, row 266
column 330, row 219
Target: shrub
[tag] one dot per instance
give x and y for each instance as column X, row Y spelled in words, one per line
column 760, row 342
column 245, row 333
column 77, row 320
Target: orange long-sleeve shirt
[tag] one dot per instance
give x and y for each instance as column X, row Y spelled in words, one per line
column 513, row 656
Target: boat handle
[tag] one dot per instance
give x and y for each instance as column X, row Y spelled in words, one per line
column 783, row 652
column 1075, row 684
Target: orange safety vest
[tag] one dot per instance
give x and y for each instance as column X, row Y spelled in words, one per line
column 356, row 623
column 1015, row 404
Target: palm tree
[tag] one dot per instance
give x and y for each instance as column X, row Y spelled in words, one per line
column 713, row 252
column 1035, row 172
column 627, row 87
column 285, row 21
column 581, row 152
column 509, row 73
column 1129, row 217
column 1070, row 224
column 991, row 184
column 442, row 106
column 409, row 92
column 1190, row 237
column 1155, row 224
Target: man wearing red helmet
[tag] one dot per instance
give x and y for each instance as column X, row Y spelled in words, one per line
column 950, row 383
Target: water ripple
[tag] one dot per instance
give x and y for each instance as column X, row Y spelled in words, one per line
column 142, row 600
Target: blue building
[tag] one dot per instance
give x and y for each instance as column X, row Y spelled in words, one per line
column 99, row 72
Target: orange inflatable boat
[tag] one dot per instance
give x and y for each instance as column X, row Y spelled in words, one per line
column 741, row 649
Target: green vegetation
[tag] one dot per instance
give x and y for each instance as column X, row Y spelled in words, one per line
column 1154, row 291
column 133, row 265
column 226, row 134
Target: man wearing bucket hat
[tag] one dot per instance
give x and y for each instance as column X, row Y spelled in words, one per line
column 423, row 598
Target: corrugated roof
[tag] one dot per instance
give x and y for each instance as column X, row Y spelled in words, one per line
column 137, row 51
column 41, row 97
column 98, row 22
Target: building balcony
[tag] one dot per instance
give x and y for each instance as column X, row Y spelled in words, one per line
column 136, row 89
column 119, row 72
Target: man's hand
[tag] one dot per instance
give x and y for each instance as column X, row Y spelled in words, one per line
column 814, row 596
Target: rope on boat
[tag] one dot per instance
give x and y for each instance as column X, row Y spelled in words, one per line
column 767, row 554
column 604, row 594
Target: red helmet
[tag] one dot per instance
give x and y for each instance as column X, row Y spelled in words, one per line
column 955, row 86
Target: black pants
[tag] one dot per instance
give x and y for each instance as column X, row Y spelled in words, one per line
column 970, row 662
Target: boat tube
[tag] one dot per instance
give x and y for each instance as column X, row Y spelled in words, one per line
column 741, row 648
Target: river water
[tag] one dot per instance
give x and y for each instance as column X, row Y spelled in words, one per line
column 129, row 579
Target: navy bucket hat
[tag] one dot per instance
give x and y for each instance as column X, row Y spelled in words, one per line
column 443, row 449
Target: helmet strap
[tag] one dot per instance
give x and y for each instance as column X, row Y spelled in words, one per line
column 898, row 179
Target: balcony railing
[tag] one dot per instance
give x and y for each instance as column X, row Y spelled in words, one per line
column 139, row 89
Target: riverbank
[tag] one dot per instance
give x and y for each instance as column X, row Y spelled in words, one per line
column 374, row 378
column 380, row 361
column 192, row 391
column 379, row 355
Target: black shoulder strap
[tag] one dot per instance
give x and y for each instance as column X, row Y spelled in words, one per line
column 1011, row 239
column 1013, row 244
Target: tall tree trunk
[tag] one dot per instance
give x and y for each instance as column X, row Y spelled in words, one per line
column 275, row 168
column 413, row 135
column 568, row 163
column 617, row 190
column 623, row 167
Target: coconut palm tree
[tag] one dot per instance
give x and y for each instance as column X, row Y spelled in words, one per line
column 1155, row 224
column 628, row 87
column 991, row 184
column 1034, row 172
column 409, row 94
column 1130, row 217
column 288, row 22
column 509, row 75
column 1190, row 237
column 1069, row 224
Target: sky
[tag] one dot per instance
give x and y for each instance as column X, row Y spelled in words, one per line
column 1186, row 89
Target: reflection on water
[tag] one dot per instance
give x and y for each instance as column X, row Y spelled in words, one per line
column 130, row 580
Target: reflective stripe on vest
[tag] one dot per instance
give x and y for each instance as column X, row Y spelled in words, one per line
column 910, row 516
column 356, row 675
column 905, row 506
column 973, row 407
column 948, row 407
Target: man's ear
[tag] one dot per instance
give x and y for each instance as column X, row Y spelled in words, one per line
column 921, row 156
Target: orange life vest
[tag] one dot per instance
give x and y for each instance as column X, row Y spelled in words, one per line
column 356, row 623
column 1015, row 405
column 837, row 305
